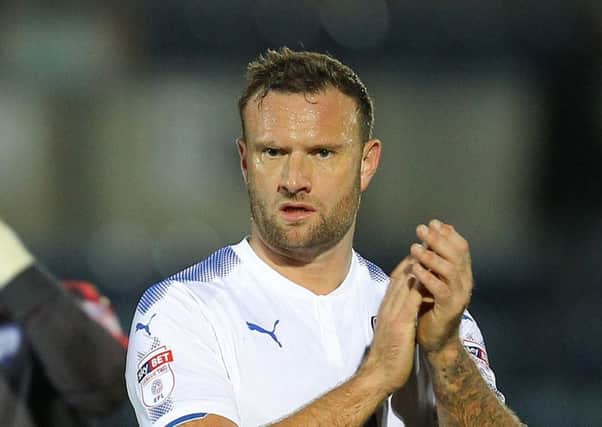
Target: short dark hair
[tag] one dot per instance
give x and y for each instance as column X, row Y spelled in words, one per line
column 286, row 70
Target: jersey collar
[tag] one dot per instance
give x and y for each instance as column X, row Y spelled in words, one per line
column 278, row 283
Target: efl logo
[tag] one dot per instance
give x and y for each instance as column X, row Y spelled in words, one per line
column 153, row 363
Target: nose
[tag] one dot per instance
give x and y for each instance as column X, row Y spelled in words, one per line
column 296, row 174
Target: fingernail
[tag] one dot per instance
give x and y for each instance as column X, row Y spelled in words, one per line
column 417, row 247
column 423, row 229
column 436, row 223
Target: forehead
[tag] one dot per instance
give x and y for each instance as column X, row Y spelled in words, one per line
column 329, row 113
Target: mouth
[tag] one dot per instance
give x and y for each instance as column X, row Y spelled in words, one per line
column 293, row 212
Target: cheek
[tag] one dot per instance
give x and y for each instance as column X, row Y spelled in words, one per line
column 255, row 168
column 260, row 165
column 261, row 178
column 343, row 175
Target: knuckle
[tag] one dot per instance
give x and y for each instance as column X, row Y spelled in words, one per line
column 446, row 292
column 427, row 256
column 448, row 269
column 421, row 273
column 430, row 278
column 446, row 230
column 417, row 270
column 433, row 238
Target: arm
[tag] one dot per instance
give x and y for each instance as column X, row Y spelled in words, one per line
column 80, row 358
column 350, row 404
column 386, row 367
column 463, row 397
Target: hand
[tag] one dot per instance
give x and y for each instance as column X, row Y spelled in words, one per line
column 444, row 269
column 391, row 355
column 14, row 257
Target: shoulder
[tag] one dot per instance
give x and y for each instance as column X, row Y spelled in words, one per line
column 219, row 264
column 375, row 273
column 185, row 310
column 203, row 280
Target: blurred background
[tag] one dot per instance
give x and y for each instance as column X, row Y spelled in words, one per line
column 118, row 163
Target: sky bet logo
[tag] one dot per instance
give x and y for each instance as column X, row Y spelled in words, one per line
column 156, row 379
column 154, row 363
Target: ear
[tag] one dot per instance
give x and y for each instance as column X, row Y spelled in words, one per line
column 370, row 160
column 242, row 152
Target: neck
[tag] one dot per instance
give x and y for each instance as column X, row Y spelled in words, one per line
column 320, row 272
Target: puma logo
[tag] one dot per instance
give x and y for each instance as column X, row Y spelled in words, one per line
column 144, row 327
column 257, row 328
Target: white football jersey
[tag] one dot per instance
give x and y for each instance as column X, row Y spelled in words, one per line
column 231, row 336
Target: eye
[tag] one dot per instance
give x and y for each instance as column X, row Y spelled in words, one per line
column 323, row 153
column 271, row 152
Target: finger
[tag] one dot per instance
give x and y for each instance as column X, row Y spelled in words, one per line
column 432, row 261
column 402, row 269
column 439, row 289
column 437, row 242
column 435, row 223
column 427, row 297
column 402, row 277
column 397, row 285
column 412, row 305
column 455, row 240
column 458, row 255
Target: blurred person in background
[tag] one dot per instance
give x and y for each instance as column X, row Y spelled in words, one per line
column 62, row 351
column 291, row 326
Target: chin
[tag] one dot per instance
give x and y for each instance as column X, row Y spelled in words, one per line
column 295, row 243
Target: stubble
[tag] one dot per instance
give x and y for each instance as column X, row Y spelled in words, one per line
column 299, row 236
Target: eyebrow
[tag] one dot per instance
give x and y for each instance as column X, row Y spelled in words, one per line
column 313, row 146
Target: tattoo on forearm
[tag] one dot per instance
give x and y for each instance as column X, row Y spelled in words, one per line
column 465, row 399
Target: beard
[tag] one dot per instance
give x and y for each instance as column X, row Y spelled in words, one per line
column 316, row 237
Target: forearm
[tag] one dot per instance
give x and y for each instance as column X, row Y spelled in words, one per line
column 350, row 404
column 463, row 397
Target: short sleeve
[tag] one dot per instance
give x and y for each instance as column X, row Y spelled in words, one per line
column 175, row 371
column 473, row 341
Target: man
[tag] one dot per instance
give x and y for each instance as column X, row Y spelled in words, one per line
column 291, row 327
column 62, row 352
